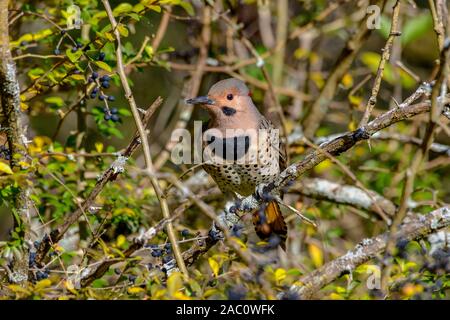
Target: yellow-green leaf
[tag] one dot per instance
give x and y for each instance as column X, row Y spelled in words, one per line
column 316, row 255
column 99, row 147
column 174, row 283
column 135, row 290
column 122, row 8
column 280, row 275
column 121, row 240
column 5, row 168
column 149, row 51
column 103, row 65
column 122, row 30
column 43, row 284
column 214, row 266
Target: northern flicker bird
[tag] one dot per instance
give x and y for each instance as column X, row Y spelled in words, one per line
column 241, row 150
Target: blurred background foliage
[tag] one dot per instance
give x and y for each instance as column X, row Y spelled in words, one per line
column 55, row 75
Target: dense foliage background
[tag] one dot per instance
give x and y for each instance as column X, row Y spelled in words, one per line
column 316, row 61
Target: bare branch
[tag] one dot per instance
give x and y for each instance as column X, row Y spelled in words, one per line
column 386, row 53
column 343, row 194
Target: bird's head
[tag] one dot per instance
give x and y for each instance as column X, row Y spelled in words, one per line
column 227, row 101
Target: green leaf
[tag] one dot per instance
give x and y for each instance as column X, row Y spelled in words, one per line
column 187, row 7
column 372, row 60
column 149, row 50
column 103, row 65
column 122, row 30
column 416, row 27
column 122, row 8
column 115, row 132
column 74, row 56
column 124, row 112
column 55, row 101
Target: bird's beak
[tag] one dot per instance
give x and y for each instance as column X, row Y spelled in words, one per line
column 200, row 100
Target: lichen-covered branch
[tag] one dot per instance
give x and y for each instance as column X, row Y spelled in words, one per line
column 342, row 194
column 367, row 249
column 13, row 126
column 335, row 147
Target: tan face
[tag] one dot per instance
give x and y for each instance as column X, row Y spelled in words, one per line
column 226, row 99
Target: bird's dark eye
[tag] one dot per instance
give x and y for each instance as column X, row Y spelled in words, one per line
column 229, row 96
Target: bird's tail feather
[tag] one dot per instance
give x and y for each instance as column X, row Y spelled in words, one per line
column 274, row 223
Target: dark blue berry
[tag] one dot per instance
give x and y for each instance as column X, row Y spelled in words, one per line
column 237, row 230
column 214, row 235
column 105, row 78
column 101, row 56
column 94, row 75
column 93, row 95
column 79, row 45
column 115, row 118
column 107, row 117
column 236, row 293
column 74, row 49
column 101, row 97
column 111, row 98
column 156, row 253
column 63, row 31
column 90, row 80
column 132, row 278
column 40, row 275
column 185, row 233
column 114, row 111
column 32, row 259
column 274, row 241
column 95, row 90
column 57, row 51
column 105, row 84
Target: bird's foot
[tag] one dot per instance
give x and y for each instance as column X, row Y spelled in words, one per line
column 263, row 193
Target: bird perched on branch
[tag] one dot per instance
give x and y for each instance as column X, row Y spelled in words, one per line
column 242, row 150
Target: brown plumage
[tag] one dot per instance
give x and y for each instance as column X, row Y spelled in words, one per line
column 242, row 149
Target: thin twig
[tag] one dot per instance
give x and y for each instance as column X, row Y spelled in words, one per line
column 386, row 53
column 144, row 140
